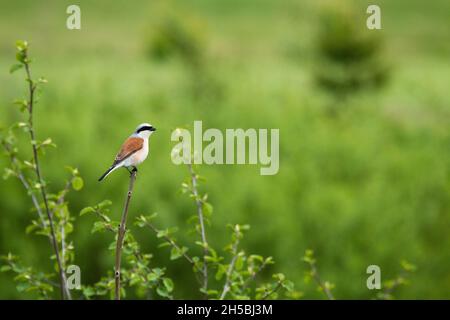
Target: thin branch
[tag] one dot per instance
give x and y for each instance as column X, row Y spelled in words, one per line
column 319, row 281
column 202, row 226
column 45, row 280
column 171, row 242
column 63, row 245
column 25, row 183
column 62, row 196
column 253, row 276
column 121, row 235
column 65, row 293
column 397, row 282
column 230, row 269
column 269, row 293
column 174, row 245
column 59, row 202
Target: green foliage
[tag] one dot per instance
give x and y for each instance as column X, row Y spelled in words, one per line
column 313, row 274
column 389, row 286
column 138, row 274
column 233, row 279
column 53, row 218
column 369, row 186
column 176, row 35
column 350, row 53
column 27, row 279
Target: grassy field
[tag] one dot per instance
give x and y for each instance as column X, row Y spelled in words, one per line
column 368, row 183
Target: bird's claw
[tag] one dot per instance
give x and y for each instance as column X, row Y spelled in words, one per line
column 134, row 170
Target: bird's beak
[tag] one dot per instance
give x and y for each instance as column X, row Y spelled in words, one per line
column 153, row 129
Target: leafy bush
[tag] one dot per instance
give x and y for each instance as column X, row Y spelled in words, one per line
column 176, row 35
column 350, row 53
column 53, row 219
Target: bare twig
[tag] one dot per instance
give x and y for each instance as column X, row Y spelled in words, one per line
column 202, row 226
column 121, row 234
column 65, row 293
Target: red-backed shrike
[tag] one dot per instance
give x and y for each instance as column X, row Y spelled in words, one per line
column 134, row 150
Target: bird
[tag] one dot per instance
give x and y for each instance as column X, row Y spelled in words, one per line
column 133, row 151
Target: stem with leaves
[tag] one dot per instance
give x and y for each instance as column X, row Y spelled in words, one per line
column 324, row 286
column 144, row 221
column 199, row 203
column 275, row 289
column 22, row 57
column 59, row 203
column 255, row 273
column 19, row 174
column 235, row 255
column 171, row 242
column 121, row 234
column 402, row 279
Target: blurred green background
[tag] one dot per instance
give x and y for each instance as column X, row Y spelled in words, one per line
column 364, row 119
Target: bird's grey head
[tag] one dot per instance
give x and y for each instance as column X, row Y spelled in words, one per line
column 144, row 130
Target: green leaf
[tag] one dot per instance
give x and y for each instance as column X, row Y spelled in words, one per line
column 21, row 45
column 104, row 203
column 77, row 183
column 98, row 226
column 152, row 276
column 208, row 208
column 8, row 173
column 239, row 262
column 162, row 291
column 162, row 233
column 31, row 228
column 86, row 210
column 175, row 253
column 288, row 285
column 279, row 276
column 22, row 104
column 29, row 164
column 42, row 80
column 47, row 142
column 256, row 257
column 408, row 267
column 212, row 292
column 168, row 283
column 134, row 280
column 88, row 292
column 5, row 268
column 221, row 270
column 22, row 286
column 15, row 67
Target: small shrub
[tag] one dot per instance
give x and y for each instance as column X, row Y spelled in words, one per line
column 174, row 35
column 349, row 54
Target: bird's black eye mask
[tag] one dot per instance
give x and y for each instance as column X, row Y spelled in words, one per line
column 144, row 128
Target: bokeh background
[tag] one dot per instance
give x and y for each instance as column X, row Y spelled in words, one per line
column 364, row 119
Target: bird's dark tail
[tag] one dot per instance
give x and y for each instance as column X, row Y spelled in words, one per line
column 107, row 172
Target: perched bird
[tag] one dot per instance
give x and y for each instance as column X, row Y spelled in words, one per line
column 134, row 150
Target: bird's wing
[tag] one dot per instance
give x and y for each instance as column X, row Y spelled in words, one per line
column 130, row 146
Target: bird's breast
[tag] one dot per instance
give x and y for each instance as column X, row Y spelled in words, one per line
column 141, row 155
